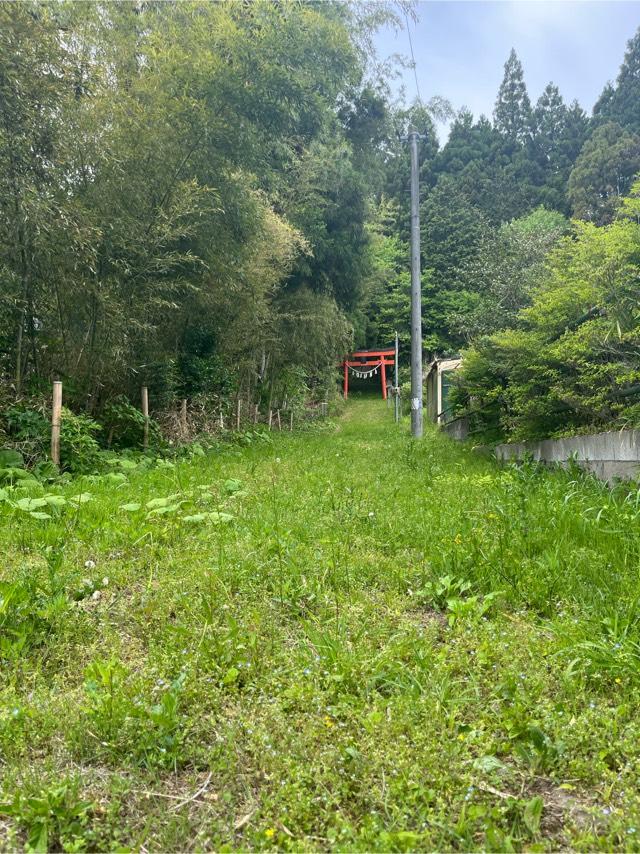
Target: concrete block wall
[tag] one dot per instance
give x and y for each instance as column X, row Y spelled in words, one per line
column 610, row 456
column 458, row 429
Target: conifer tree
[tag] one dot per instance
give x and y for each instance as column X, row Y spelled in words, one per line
column 621, row 103
column 603, row 173
column 512, row 113
column 559, row 135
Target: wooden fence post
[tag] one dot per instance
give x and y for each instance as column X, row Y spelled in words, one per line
column 270, row 417
column 183, row 418
column 256, row 414
column 291, row 421
column 56, row 415
column 221, row 420
column 238, row 411
column 145, row 413
column 279, row 422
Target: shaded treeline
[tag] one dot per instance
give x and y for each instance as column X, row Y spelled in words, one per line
column 183, row 194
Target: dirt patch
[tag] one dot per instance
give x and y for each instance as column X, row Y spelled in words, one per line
column 428, row 617
column 561, row 807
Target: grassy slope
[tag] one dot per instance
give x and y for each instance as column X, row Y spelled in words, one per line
column 306, row 668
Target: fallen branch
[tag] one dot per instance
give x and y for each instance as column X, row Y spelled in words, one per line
column 197, row 794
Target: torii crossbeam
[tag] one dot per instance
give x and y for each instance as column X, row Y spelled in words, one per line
column 369, row 359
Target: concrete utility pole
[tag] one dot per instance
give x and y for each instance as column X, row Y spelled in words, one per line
column 416, row 294
column 396, row 390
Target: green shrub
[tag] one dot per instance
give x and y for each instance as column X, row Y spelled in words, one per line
column 124, row 425
column 29, row 429
column 79, row 449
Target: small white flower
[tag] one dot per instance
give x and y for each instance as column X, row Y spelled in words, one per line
column 105, row 581
column 371, row 515
column 96, row 594
column 89, row 564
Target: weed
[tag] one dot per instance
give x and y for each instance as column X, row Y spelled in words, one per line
column 53, row 817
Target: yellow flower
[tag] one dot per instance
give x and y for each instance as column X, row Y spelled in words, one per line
column 270, row 832
column 458, row 540
column 327, row 721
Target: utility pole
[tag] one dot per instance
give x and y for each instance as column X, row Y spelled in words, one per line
column 396, row 390
column 416, row 295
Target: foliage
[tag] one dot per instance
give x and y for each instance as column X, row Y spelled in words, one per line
column 453, row 229
column 512, row 114
column 560, row 133
column 619, row 102
column 569, row 361
column 79, row 448
column 53, row 817
column 503, row 273
column 385, row 306
column 160, row 205
column 603, row 173
column 124, row 425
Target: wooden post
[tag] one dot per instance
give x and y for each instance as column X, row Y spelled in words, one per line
column 145, row 413
column 238, row 410
column 56, row 415
column 346, row 381
column 270, row 418
column 291, row 421
column 383, row 378
column 221, row 420
column 183, row 418
column 256, row 414
column 278, row 417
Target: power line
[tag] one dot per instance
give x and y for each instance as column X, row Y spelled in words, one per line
column 413, row 59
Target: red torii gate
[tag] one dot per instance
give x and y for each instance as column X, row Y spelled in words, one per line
column 369, row 359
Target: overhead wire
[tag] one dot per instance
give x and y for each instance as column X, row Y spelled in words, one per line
column 413, row 60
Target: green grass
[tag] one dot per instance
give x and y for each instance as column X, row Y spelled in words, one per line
column 338, row 639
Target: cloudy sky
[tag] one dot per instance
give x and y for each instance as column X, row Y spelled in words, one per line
column 461, row 46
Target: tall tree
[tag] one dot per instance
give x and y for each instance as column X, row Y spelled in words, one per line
column 603, row 173
column 559, row 135
column 452, row 230
column 505, row 270
column 386, row 306
column 33, row 71
column 512, row 112
column 621, row 103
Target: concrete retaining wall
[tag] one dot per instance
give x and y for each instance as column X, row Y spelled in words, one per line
column 609, row 456
column 458, row 429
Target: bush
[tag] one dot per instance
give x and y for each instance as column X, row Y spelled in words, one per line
column 29, row 431
column 79, row 449
column 124, row 425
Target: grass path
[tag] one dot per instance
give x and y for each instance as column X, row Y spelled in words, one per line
column 338, row 639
